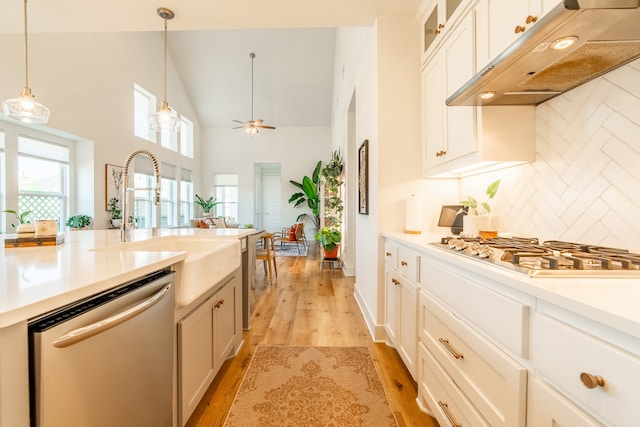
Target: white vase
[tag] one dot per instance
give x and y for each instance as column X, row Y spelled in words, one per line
column 471, row 225
column 25, row 228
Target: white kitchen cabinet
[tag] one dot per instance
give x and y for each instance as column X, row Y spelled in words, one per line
column 458, row 140
column 502, row 22
column 206, row 338
column 435, row 17
column 548, row 408
column 14, row 375
column 401, row 303
column 595, row 374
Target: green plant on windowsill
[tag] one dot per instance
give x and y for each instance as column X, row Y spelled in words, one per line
column 206, row 204
column 78, row 222
column 114, row 207
column 22, row 218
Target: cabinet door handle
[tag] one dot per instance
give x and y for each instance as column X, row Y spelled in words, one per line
column 219, row 303
column 531, row 19
column 395, row 282
column 436, row 32
column 519, row 29
column 591, row 381
column 388, row 253
column 403, row 263
column 445, row 408
column 453, row 351
column 440, row 26
column 441, row 153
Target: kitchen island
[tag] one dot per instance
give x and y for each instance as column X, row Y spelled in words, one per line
column 36, row 280
column 492, row 346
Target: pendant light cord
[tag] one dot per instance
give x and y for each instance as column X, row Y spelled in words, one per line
column 26, row 48
column 165, row 60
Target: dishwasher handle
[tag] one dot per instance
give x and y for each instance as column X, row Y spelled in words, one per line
column 102, row 325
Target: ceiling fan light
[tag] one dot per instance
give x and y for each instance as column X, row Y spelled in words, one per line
column 25, row 108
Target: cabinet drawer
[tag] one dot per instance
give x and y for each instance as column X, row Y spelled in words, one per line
column 448, row 404
column 391, row 253
column 491, row 380
column 409, row 264
column 548, row 408
column 500, row 317
column 562, row 353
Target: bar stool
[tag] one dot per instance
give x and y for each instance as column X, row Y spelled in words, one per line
column 268, row 255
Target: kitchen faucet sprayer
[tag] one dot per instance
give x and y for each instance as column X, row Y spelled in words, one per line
column 125, row 227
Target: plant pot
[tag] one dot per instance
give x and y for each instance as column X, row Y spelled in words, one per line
column 471, row 225
column 116, row 223
column 331, row 254
column 25, row 228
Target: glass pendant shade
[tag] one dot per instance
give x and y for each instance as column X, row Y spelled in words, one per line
column 164, row 120
column 25, row 108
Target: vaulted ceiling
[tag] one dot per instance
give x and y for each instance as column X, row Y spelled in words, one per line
column 210, row 42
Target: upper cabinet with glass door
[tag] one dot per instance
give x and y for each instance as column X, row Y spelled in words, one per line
column 436, row 16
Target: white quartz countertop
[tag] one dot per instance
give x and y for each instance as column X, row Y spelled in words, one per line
column 35, row 280
column 614, row 302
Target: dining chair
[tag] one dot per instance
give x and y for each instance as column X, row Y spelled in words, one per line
column 268, row 255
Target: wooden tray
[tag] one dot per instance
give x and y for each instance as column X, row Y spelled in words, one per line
column 29, row 240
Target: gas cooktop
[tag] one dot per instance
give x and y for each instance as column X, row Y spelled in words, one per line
column 551, row 258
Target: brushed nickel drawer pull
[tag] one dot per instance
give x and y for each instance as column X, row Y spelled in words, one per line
column 403, row 263
column 445, row 408
column 395, row 282
column 591, row 381
column 453, row 351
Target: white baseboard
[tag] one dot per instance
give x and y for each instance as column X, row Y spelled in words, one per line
column 377, row 332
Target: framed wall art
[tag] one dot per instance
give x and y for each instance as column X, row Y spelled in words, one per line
column 113, row 183
column 363, row 178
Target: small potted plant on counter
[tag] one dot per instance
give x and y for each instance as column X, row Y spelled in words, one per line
column 78, row 222
column 24, row 225
column 329, row 238
column 207, row 204
column 477, row 213
column 116, row 213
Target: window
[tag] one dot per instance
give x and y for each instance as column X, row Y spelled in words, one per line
column 144, row 104
column 143, row 210
column 226, row 192
column 3, row 185
column 43, row 170
column 186, row 137
column 168, row 201
column 186, row 197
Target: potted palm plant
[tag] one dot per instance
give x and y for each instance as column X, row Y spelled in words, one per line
column 311, row 194
column 206, row 204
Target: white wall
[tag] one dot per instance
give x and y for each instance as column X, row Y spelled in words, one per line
column 86, row 80
column 584, row 183
column 298, row 150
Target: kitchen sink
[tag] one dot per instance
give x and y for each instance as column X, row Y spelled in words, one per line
column 208, row 261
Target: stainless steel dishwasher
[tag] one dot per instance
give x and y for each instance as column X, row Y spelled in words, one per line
column 106, row 360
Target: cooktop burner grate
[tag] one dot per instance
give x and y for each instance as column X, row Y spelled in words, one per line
column 551, row 258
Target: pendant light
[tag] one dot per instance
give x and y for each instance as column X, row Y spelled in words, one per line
column 164, row 119
column 25, row 108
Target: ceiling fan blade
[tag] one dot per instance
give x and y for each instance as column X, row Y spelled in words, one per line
column 257, row 122
column 265, row 127
column 239, row 127
column 238, row 121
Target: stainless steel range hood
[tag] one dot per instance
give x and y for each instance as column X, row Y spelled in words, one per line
column 530, row 71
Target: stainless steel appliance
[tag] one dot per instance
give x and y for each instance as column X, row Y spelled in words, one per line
column 539, row 66
column 548, row 259
column 106, row 360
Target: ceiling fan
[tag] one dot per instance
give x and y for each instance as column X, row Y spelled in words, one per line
column 252, row 126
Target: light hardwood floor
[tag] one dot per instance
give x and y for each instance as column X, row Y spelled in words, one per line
column 308, row 307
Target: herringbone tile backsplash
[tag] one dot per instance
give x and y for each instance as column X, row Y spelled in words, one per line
column 585, row 183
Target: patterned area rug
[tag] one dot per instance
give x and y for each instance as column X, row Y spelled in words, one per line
column 311, row 386
column 290, row 250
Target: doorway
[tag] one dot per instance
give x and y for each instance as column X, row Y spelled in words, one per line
column 268, row 196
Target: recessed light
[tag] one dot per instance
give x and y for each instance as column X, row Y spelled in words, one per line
column 564, row 42
column 487, row 95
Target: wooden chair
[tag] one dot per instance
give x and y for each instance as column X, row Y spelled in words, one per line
column 268, row 255
column 294, row 234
